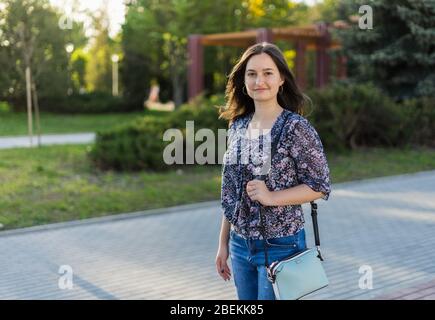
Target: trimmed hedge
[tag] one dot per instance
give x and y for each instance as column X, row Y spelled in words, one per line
column 418, row 121
column 348, row 116
column 94, row 102
column 139, row 145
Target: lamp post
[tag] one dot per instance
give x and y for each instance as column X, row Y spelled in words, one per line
column 115, row 59
column 69, row 47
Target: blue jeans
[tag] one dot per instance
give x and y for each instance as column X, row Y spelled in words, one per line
column 247, row 260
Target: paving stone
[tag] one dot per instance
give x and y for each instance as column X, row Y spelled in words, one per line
column 384, row 223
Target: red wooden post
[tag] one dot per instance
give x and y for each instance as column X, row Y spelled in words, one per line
column 323, row 60
column 195, row 66
column 301, row 79
column 264, row 35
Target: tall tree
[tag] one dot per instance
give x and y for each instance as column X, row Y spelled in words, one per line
column 398, row 54
column 99, row 68
column 30, row 35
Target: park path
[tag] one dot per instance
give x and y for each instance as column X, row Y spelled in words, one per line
column 386, row 225
column 48, row 139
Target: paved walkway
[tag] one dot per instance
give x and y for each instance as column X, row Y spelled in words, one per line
column 421, row 291
column 49, row 139
column 387, row 224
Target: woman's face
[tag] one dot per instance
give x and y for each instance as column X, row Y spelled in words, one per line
column 262, row 78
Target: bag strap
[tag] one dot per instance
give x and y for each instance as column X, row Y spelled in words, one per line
column 316, row 228
column 313, row 207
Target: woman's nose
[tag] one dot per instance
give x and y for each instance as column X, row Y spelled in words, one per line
column 259, row 80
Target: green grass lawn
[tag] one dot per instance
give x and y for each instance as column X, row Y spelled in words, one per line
column 13, row 124
column 57, row 183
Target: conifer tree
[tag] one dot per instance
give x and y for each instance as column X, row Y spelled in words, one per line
column 398, row 53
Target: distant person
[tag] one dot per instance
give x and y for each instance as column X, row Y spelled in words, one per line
column 153, row 101
column 263, row 97
column 154, row 93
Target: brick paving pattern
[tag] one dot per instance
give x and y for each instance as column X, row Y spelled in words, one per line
column 387, row 224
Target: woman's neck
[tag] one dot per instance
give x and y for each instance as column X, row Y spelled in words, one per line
column 266, row 112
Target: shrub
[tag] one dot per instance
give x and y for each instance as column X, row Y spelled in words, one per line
column 133, row 146
column 139, row 145
column 418, row 125
column 94, row 102
column 353, row 115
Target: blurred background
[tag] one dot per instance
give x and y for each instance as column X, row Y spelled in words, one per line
column 87, row 89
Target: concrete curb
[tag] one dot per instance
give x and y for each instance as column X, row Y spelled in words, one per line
column 110, row 218
column 383, row 179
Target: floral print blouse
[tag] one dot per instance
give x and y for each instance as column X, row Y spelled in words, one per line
column 299, row 159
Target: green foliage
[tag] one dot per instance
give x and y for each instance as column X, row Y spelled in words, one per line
column 99, row 67
column 79, row 61
column 332, row 10
column 355, row 115
column 94, row 102
column 4, row 107
column 135, row 146
column 31, row 36
column 140, row 145
column 418, row 125
column 398, row 53
column 346, row 116
column 204, row 111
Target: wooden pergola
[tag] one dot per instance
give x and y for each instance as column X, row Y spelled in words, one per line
column 314, row 37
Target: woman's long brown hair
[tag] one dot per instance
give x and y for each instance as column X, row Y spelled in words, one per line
column 239, row 104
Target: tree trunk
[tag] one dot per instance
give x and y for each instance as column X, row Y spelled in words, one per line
column 36, row 105
column 177, row 86
column 29, row 106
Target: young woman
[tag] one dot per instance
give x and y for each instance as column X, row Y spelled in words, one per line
column 263, row 104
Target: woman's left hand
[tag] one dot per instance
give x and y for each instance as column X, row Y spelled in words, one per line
column 258, row 191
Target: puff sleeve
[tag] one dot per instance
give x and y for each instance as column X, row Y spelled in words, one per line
column 306, row 149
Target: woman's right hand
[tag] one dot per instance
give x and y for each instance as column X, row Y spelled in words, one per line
column 221, row 263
